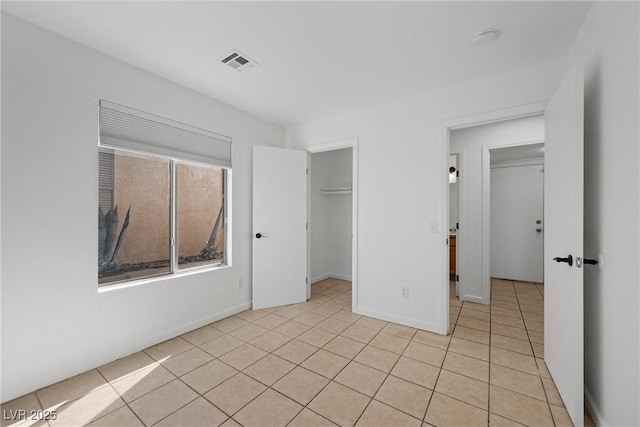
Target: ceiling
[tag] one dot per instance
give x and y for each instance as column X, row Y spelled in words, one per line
column 316, row 59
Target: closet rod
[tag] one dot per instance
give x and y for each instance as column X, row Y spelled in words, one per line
column 336, row 190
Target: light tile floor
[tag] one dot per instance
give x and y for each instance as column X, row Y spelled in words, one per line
column 318, row 364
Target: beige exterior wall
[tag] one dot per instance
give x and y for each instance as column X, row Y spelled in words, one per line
column 199, row 201
column 142, row 182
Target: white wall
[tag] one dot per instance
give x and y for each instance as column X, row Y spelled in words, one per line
column 54, row 322
column 471, row 142
column 608, row 45
column 402, row 181
column 330, row 215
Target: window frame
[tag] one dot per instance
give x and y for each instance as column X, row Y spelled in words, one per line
column 174, row 234
column 175, row 270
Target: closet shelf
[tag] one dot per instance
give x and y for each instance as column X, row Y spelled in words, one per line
column 331, row 191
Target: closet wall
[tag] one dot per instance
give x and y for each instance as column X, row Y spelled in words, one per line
column 330, row 214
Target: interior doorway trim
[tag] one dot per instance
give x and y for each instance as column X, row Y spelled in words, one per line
column 352, row 143
column 452, row 124
column 459, row 232
column 486, row 206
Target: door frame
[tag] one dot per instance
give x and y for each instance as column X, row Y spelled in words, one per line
column 449, row 125
column 339, row 144
column 461, row 156
column 486, row 205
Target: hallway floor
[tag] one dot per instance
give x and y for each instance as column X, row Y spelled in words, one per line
column 318, row 364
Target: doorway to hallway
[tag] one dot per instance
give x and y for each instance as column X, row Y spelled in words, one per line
column 516, row 209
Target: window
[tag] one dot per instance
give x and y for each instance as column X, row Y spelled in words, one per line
column 162, row 204
column 200, row 214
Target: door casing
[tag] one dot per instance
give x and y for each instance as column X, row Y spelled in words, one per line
column 486, row 208
column 534, row 257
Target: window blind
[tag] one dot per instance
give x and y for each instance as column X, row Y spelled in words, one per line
column 133, row 130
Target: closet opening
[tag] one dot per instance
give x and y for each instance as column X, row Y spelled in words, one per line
column 331, row 222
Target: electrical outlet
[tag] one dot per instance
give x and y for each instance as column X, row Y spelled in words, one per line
column 405, row 292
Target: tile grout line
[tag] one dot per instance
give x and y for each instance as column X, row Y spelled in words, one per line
column 214, row 358
column 379, row 331
column 121, row 398
column 435, row 384
column 330, row 379
column 388, row 374
column 489, row 403
column 35, row 393
column 544, row 389
column 537, row 367
column 267, row 387
column 296, row 365
column 490, row 340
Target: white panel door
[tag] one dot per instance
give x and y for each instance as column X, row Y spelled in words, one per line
column 516, row 223
column 279, row 226
column 563, row 274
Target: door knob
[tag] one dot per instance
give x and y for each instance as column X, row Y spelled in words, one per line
column 538, row 230
column 568, row 260
column 260, row 235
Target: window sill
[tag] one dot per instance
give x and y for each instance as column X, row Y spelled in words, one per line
column 169, row 276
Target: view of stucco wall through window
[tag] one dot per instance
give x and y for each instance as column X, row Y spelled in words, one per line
column 135, row 216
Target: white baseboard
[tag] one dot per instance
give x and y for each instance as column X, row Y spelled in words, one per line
column 426, row 326
column 473, row 298
column 59, row 373
column 594, row 410
column 320, row 278
column 330, row 276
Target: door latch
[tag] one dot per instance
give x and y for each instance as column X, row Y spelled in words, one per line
column 568, row 260
column 585, row 261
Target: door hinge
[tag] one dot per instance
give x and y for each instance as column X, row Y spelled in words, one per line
column 307, row 171
column 306, row 225
column 457, row 277
column 457, row 174
column 457, row 226
column 306, row 280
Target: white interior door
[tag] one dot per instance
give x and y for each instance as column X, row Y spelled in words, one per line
column 516, row 223
column 563, row 207
column 279, row 226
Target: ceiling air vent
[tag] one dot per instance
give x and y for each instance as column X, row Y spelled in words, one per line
column 238, row 61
